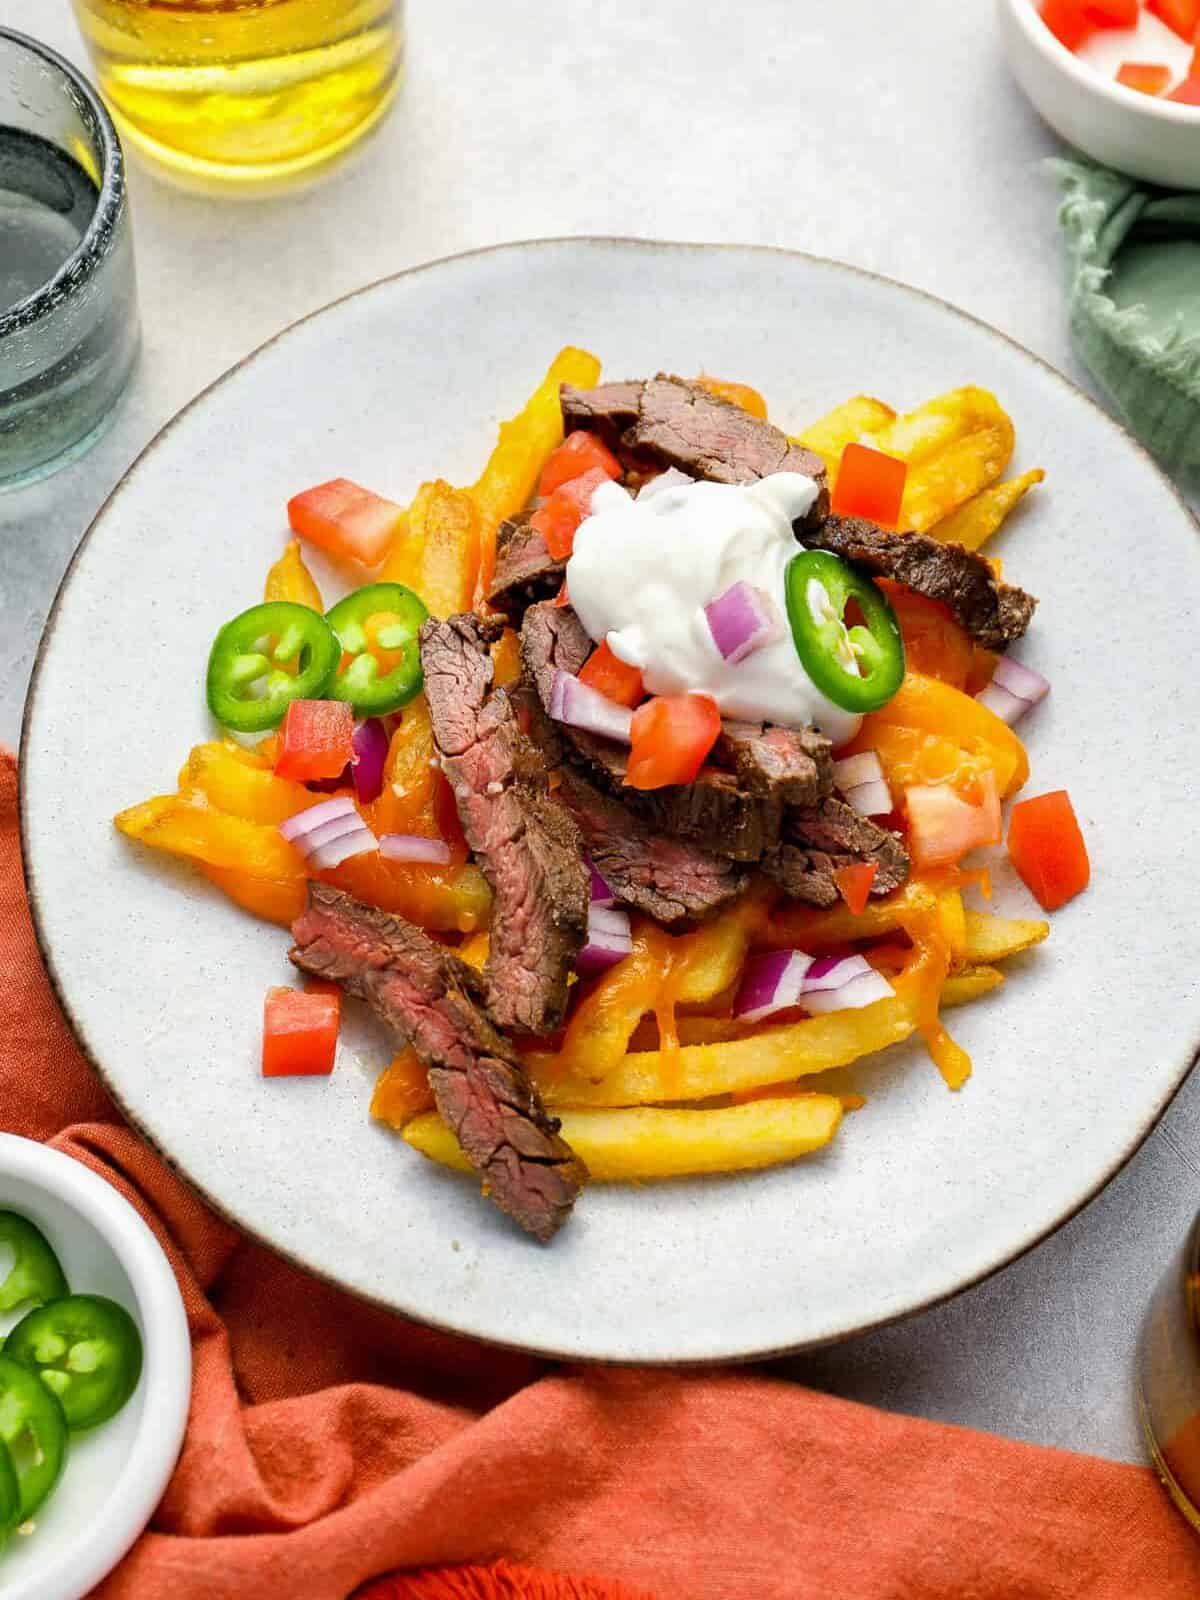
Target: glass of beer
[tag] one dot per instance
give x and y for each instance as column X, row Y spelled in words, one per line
column 1169, row 1378
column 244, row 93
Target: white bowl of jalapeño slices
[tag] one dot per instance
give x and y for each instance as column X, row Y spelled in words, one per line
column 95, row 1374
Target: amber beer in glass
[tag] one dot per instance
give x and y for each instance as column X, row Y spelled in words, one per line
column 244, row 93
column 1169, row 1378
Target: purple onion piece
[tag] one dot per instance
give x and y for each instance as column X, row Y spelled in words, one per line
column 370, row 741
column 357, row 842
column 1014, row 689
column 580, row 706
column 414, row 847
column 842, row 983
column 742, row 620
column 771, row 983
column 601, row 893
column 305, row 821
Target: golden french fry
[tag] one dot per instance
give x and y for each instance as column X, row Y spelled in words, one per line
column 289, row 579
column 631, row 1144
column 854, row 420
column 715, row 952
column 698, row 1072
column 230, row 784
column 952, row 920
column 942, row 482
column 170, row 823
column 603, row 1023
column 401, row 1091
column 511, row 474
column 438, row 555
column 978, row 518
column 940, row 422
column 991, row 938
column 813, row 931
column 279, row 901
column 969, row 984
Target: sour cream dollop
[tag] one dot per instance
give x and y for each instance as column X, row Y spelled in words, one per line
column 642, row 572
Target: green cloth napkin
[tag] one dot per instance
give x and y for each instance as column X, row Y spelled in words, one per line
column 1134, row 254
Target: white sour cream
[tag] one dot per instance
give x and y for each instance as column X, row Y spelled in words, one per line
column 642, row 572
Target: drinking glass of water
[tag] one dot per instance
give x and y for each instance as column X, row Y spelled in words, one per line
column 68, row 304
column 227, row 94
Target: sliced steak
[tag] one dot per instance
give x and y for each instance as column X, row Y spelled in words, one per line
column 788, row 764
column 525, row 569
column 820, row 839
column 995, row 613
column 525, row 842
column 668, row 422
column 715, row 810
column 431, row 1000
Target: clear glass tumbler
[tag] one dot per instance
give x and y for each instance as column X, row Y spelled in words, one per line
column 68, row 300
column 1169, row 1378
column 244, row 94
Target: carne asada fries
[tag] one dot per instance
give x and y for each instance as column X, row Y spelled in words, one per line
column 759, row 913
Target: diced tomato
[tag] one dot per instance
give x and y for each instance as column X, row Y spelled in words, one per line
column 612, row 677
column 1047, row 848
column 672, row 735
column 348, row 521
column 870, row 484
column 317, row 740
column 854, row 884
column 1144, row 76
column 943, row 827
column 1187, row 93
column 299, row 1033
column 1181, row 16
column 1112, row 13
column 1068, row 21
column 579, row 452
column 566, row 508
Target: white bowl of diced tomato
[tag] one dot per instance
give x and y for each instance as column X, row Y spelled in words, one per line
column 1118, row 79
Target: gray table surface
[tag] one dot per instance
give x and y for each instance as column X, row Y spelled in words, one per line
column 825, row 127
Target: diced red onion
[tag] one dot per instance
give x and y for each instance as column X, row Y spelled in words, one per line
column 329, row 833
column 609, row 940
column 743, row 619
column 771, row 983
column 580, row 706
column 601, row 893
column 842, row 983
column 672, row 478
column 608, row 496
column 414, row 847
column 1014, row 689
column 860, row 779
column 370, row 741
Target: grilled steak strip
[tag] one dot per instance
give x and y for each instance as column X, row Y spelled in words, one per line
column 820, row 839
column 995, row 613
column 525, row 569
column 526, row 844
column 668, row 422
column 430, row 999
column 794, row 765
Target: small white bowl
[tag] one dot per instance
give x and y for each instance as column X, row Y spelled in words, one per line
column 1149, row 138
column 116, row 1473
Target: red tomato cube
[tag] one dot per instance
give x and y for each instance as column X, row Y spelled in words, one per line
column 854, row 884
column 579, row 452
column 672, row 735
column 1181, row 16
column 317, row 740
column 1112, row 13
column 612, row 677
column 1187, row 94
column 1145, row 76
column 1047, row 848
column 1068, row 21
column 299, row 1033
column 870, row 484
column 346, row 520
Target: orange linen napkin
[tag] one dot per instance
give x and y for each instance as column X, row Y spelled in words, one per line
column 330, row 1443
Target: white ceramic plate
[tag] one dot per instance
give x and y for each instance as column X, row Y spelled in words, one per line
column 116, row 1473
column 921, row 1193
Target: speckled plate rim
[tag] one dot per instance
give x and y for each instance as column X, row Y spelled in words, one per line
column 1189, row 1053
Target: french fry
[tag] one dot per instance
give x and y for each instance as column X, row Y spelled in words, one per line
column 511, row 474
column 647, row 1142
column 603, row 1023
column 229, row 784
column 933, row 707
column 978, row 518
column 438, row 555
column 953, row 923
column 776, row 1055
column 441, row 899
column 962, row 987
column 804, row 928
column 854, row 420
column 990, row 938
column 274, row 900
column 923, row 434
column 712, row 957
column 170, row 823
column 289, row 579
column 939, row 485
